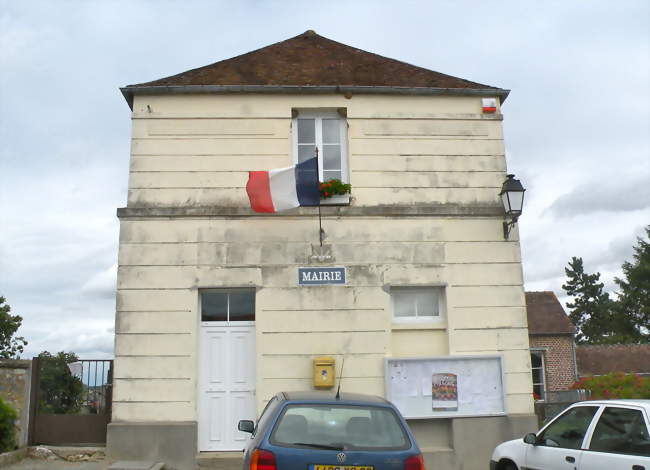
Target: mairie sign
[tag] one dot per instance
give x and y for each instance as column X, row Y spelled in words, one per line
column 320, row 276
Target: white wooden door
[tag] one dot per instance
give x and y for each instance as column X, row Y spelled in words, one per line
column 227, row 385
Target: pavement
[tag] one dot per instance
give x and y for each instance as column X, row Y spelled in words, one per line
column 62, row 458
column 94, row 458
column 44, row 464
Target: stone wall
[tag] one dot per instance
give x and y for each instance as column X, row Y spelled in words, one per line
column 15, row 381
column 559, row 360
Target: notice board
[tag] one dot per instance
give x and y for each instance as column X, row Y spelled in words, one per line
column 448, row 386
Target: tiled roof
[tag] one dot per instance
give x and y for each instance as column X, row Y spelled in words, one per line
column 311, row 60
column 546, row 315
column 603, row 359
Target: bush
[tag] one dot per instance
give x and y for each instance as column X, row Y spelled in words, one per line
column 615, row 385
column 7, row 427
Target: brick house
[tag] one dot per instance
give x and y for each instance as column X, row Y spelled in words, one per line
column 552, row 344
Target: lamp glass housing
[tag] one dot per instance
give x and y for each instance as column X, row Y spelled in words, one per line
column 512, row 196
column 513, row 202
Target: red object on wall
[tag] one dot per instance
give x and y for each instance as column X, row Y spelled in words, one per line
column 489, row 105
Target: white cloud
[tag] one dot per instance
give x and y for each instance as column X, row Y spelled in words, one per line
column 102, row 284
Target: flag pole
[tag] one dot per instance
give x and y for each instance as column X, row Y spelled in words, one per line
column 320, row 228
column 320, row 220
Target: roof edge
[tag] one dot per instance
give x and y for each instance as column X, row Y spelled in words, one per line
column 130, row 91
column 552, row 334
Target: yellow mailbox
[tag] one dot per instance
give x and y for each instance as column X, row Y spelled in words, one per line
column 324, row 371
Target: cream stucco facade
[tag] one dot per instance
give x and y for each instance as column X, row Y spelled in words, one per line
column 426, row 172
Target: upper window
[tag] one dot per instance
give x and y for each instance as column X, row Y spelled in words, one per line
column 621, row 431
column 568, row 431
column 417, row 303
column 228, row 305
column 322, row 133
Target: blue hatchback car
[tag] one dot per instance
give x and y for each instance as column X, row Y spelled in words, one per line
column 318, row 431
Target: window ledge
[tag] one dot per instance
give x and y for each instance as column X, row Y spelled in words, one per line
column 336, row 200
column 425, row 325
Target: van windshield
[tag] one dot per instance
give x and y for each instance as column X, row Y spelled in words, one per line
column 340, row 427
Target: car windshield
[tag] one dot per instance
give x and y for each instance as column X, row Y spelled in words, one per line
column 340, row 427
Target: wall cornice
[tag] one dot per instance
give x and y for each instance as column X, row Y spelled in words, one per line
column 432, row 210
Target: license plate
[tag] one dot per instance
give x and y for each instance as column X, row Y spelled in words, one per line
column 341, row 467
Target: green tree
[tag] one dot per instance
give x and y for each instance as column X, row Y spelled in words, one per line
column 594, row 314
column 10, row 346
column 7, row 427
column 634, row 294
column 60, row 391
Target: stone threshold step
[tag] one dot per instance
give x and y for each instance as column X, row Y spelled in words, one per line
column 220, row 460
column 136, row 465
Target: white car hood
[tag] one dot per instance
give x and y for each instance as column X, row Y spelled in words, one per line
column 514, row 450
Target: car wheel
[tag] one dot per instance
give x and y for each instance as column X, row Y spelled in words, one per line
column 507, row 465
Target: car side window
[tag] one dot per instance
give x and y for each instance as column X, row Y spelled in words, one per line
column 568, row 431
column 621, row 431
column 265, row 416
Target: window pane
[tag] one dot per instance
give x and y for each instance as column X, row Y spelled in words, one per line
column 305, row 152
column 242, row 306
column 568, row 431
column 331, row 175
column 331, row 157
column 353, row 427
column 621, row 430
column 417, row 301
column 306, row 131
column 403, row 304
column 331, row 134
column 427, row 303
column 264, row 417
column 538, row 390
column 214, row 306
column 537, row 376
column 536, row 359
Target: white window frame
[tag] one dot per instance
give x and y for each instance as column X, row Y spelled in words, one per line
column 541, row 353
column 424, row 318
column 319, row 115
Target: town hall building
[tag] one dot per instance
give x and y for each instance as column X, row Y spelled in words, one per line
column 405, row 283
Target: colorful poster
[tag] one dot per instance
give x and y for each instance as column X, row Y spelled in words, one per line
column 444, row 392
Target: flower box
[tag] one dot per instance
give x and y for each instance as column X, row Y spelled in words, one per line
column 336, row 200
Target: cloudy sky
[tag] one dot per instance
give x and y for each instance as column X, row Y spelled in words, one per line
column 577, row 124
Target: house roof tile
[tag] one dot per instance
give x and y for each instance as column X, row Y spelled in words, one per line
column 603, row 359
column 546, row 315
column 311, row 60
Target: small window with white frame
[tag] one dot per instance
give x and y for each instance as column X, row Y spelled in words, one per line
column 417, row 303
column 323, row 133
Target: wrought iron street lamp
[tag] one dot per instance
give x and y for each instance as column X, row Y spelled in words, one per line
column 512, row 196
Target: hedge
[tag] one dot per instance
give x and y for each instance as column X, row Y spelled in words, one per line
column 615, row 385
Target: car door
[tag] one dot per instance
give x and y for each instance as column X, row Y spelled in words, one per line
column 559, row 445
column 620, row 439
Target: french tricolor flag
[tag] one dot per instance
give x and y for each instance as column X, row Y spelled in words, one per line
column 284, row 188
